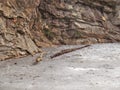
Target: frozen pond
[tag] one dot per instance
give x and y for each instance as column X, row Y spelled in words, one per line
column 92, row 68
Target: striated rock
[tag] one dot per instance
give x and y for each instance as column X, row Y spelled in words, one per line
column 82, row 21
column 26, row 25
column 18, row 20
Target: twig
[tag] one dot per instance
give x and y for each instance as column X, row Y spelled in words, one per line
column 67, row 51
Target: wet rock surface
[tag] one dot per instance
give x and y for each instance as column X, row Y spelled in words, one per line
column 91, row 68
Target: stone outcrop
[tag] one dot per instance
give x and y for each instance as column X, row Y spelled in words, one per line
column 18, row 21
column 82, row 21
column 26, row 25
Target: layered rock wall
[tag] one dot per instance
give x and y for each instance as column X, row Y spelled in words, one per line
column 82, row 21
column 18, row 21
column 26, row 25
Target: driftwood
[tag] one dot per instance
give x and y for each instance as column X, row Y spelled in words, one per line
column 67, row 51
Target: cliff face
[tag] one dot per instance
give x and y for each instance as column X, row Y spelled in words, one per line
column 82, row 21
column 18, row 24
column 26, row 25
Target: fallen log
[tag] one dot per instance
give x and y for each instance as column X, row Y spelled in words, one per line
column 68, row 51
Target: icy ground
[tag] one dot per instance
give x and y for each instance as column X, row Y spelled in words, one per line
column 93, row 68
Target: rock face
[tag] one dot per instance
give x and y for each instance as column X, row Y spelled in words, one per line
column 18, row 21
column 82, row 21
column 26, row 25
